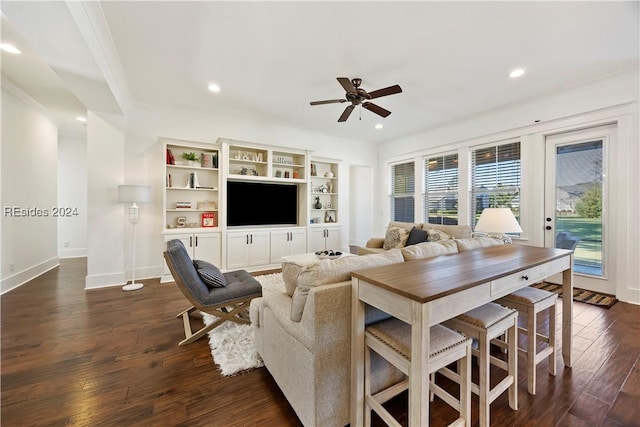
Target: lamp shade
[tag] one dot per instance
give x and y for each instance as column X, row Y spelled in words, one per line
column 134, row 194
column 498, row 220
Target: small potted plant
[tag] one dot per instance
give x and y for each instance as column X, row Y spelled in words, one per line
column 191, row 157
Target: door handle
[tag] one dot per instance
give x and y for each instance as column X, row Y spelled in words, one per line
column 196, row 240
column 548, row 227
column 251, row 238
column 190, row 241
column 247, row 236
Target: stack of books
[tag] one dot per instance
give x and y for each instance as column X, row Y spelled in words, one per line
column 209, row 160
column 183, row 205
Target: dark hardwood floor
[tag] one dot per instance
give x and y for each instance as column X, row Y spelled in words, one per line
column 72, row 357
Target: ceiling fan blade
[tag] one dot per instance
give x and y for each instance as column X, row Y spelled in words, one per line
column 376, row 109
column 345, row 114
column 346, row 84
column 328, row 101
column 384, row 92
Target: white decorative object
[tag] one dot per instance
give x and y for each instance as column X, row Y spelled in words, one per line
column 134, row 194
column 498, row 221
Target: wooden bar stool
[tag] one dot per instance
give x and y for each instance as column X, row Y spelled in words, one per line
column 391, row 339
column 531, row 301
column 485, row 324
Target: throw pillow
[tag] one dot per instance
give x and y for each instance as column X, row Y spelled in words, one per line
column 210, row 274
column 416, row 236
column 395, row 238
column 435, row 235
column 429, row 249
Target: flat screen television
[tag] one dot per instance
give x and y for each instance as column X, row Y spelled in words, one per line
column 258, row 203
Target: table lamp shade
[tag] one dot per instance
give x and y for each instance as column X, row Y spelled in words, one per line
column 134, row 194
column 498, row 220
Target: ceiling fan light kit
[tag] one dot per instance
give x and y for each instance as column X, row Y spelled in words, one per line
column 358, row 96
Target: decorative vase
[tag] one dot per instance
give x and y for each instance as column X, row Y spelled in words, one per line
column 318, row 205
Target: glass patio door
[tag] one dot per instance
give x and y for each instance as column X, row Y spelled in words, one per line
column 576, row 202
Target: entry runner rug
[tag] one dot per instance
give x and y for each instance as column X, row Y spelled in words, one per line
column 581, row 295
column 232, row 345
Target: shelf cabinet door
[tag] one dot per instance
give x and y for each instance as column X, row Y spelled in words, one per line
column 207, row 248
column 203, row 246
column 237, row 250
column 259, row 248
column 246, row 249
column 287, row 242
column 324, row 238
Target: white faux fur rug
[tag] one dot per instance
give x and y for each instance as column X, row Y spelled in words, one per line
column 231, row 343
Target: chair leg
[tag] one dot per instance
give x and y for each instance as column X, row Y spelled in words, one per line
column 483, row 380
column 532, row 349
column 512, row 355
column 552, row 339
column 464, row 369
column 191, row 337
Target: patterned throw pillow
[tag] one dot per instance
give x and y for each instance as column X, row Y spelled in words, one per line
column 395, row 238
column 435, row 235
column 210, row 274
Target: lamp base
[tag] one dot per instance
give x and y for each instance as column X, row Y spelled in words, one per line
column 132, row 287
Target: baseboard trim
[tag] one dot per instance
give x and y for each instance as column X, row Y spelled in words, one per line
column 24, row 276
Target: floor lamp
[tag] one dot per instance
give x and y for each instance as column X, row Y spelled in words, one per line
column 133, row 194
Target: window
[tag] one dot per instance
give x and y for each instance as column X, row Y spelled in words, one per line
column 402, row 192
column 495, row 179
column 441, row 189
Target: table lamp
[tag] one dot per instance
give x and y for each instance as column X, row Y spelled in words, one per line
column 133, row 194
column 498, row 221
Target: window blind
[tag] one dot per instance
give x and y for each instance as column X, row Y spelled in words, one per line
column 403, row 192
column 495, row 179
column 441, row 189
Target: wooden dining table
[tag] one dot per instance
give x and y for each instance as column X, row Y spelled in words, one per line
column 426, row 292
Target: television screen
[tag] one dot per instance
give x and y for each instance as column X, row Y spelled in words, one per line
column 257, row 203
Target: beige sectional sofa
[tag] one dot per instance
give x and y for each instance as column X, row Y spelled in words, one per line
column 377, row 244
column 304, row 334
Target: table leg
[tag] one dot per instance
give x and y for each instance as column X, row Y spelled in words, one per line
column 567, row 313
column 357, row 356
column 419, row 373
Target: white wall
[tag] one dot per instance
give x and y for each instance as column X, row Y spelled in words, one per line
column 72, row 194
column 145, row 161
column 106, row 220
column 574, row 109
column 29, row 154
column 361, row 191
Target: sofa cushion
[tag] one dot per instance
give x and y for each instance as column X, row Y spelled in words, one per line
column 210, row 274
column 434, row 235
column 416, row 236
column 395, row 238
column 429, row 249
column 477, row 242
column 456, row 231
column 334, row 271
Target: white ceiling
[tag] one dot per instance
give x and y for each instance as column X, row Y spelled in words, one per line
column 451, row 59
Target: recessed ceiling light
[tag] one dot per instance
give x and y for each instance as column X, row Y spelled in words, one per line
column 10, row 48
column 214, row 88
column 379, row 126
column 81, row 119
column 518, row 72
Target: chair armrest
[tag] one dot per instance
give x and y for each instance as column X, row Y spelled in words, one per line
column 375, row 242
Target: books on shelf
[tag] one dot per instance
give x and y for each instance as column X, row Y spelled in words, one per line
column 183, row 205
column 209, row 160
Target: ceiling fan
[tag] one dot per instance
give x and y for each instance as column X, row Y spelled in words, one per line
column 358, row 96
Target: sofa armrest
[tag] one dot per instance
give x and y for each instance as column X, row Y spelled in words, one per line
column 375, row 242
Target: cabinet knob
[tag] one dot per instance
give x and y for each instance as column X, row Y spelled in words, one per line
column 548, row 227
column 525, row 277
